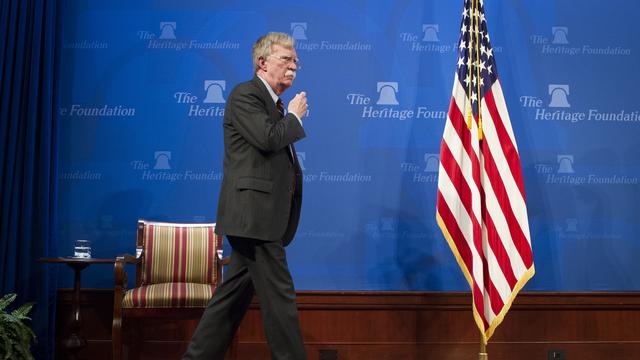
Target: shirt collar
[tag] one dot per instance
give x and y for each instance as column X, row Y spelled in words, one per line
column 270, row 90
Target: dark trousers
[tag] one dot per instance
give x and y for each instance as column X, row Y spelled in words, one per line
column 260, row 267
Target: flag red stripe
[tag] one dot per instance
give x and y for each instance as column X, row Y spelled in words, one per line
column 460, row 125
column 454, row 230
column 461, row 186
column 519, row 240
column 463, row 250
column 496, row 300
column 465, row 195
column 508, row 148
column 498, row 249
column 478, row 302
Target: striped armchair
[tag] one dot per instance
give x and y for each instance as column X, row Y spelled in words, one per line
column 178, row 267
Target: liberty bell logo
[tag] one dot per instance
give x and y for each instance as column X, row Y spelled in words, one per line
column 430, row 32
column 167, row 30
column 559, row 95
column 432, row 162
column 560, row 35
column 387, row 92
column 214, row 90
column 162, row 160
column 298, row 30
column 565, row 164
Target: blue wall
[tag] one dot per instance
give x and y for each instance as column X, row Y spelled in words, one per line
column 140, row 95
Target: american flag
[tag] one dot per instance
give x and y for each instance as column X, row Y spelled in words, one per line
column 481, row 207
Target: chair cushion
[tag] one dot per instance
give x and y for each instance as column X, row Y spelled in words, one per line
column 175, row 253
column 168, row 295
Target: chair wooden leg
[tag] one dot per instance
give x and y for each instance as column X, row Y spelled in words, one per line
column 116, row 338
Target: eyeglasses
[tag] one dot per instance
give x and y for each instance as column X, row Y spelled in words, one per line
column 288, row 60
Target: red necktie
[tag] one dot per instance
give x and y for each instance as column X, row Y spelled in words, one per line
column 280, row 107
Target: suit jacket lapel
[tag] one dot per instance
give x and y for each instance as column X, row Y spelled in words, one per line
column 273, row 111
column 271, row 106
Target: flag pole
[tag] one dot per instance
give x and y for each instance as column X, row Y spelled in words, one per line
column 476, row 13
column 482, row 355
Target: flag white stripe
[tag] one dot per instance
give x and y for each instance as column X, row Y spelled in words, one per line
column 499, row 221
column 497, row 276
column 463, row 160
column 452, row 199
column 488, row 313
column 520, row 210
column 498, row 97
column 513, row 192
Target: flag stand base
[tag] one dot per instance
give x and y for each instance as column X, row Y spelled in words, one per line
column 482, row 355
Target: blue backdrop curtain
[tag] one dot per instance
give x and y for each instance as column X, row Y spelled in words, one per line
column 28, row 159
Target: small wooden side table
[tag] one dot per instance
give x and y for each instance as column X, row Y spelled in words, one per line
column 75, row 342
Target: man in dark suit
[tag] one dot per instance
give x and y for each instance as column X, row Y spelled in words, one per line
column 259, row 206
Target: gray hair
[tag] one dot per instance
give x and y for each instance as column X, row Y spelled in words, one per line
column 262, row 47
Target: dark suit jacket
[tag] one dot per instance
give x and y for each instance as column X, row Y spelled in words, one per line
column 261, row 191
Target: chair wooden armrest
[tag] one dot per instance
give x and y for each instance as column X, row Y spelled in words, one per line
column 119, row 272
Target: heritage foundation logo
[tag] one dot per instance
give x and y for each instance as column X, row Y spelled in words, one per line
column 565, row 164
column 387, row 105
column 430, row 32
column 387, row 92
column 169, row 38
column 560, row 35
column 565, row 172
column 85, row 44
column 428, row 41
column 571, row 225
column 79, row 175
column 385, row 227
column 96, row 111
column 212, row 103
column 558, row 43
column 167, row 30
column 432, row 162
column 306, row 44
column 558, row 108
column 425, row 172
column 572, row 229
column 214, row 89
column 162, row 160
column 559, row 96
column 389, row 228
column 160, row 169
column 299, row 31
column 324, row 176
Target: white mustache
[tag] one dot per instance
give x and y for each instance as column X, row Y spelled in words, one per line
column 290, row 73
